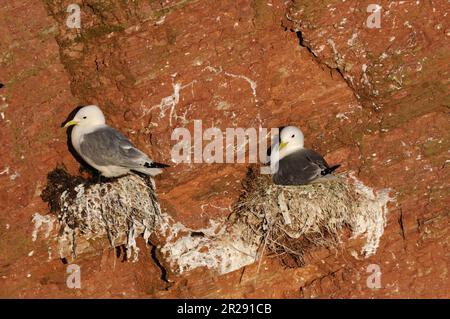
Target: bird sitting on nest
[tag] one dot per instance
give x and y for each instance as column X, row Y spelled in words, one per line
column 105, row 148
column 292, row 164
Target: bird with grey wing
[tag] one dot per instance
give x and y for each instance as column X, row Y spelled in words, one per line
column 292, row 164
column 105, row 148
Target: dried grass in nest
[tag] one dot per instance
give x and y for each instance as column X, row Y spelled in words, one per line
column 90, row 214
column 289, row 221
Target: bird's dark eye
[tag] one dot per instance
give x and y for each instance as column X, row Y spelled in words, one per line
column 85, row 117
column 293, row 135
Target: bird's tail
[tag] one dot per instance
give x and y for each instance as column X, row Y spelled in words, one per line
column 330, row 170
column 152, row 168
column 156, row 165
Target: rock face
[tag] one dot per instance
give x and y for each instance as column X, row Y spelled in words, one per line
column 373, row 99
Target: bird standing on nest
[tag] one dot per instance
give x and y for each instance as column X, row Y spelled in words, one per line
column 105, row 148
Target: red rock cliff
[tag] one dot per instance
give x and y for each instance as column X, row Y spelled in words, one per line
column 373, row 99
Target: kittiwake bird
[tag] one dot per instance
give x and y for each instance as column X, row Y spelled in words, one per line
column 292, row 164
column 105, row 148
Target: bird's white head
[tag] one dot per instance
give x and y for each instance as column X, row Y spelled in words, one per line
column 90, row 115
column 291, row 139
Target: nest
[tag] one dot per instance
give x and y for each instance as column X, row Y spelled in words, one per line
column 90, row 214
column 290, row 221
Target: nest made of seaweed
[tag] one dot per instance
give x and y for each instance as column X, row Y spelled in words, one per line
column 118, row 209
column 289, row 221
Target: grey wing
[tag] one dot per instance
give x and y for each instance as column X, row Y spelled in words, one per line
column 300, row 168
column 316, row 159
column 107, row 146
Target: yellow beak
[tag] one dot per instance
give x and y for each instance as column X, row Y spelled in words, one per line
column 283, row 145
column 71, row 123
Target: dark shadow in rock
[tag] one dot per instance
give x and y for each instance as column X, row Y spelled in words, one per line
column 59, row 181
column 269, row 149
column 154, row 255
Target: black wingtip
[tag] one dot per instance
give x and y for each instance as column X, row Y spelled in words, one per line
column 335, row 167
column 331, row 169
column 156, row 165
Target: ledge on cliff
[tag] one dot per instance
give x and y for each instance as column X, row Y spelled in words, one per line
column 91, row 214
column 291, row 220
column 287, row 220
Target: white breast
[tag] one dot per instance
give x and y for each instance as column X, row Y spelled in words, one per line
column 77, row 135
